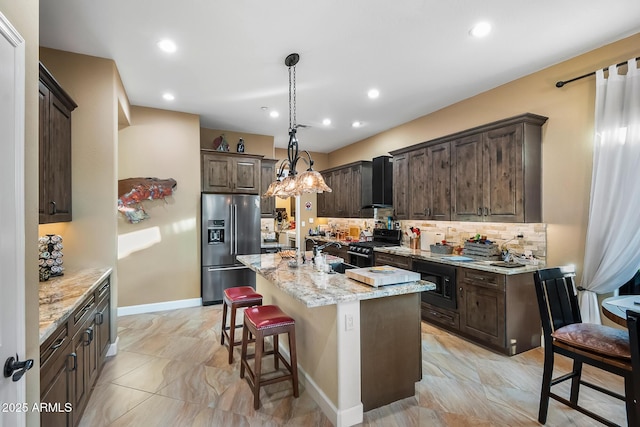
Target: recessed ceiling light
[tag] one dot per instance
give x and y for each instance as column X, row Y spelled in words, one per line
column 481, row 29
column 168, row 97
column 326, row 122
column 356, row 124
column 373, row 93
column 167, row 45
column 274, row 114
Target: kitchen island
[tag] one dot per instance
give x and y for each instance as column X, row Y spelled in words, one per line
column 358, row 347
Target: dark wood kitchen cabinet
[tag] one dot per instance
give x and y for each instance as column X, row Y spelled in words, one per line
column 401, row 185
column 267, row 176
column 489, row 173
column 54, row 118
column 430, row 197
column 498, row 311
column 496, row 174
column 225, row 172
column 325, row 200
column 72, row 357
column 351, row 190
column 399, row 261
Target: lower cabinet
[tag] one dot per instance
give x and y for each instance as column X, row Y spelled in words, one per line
column 71, row 359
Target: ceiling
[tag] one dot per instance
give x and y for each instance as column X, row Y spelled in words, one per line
column 230, row 57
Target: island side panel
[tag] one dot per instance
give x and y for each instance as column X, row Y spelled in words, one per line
column 391, row 349
column 316, row 338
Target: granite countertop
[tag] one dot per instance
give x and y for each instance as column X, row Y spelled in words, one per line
column 477, row 265
column 60, row 296
column 315, row 289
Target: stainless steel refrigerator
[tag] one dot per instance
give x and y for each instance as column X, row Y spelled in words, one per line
column 230, row 227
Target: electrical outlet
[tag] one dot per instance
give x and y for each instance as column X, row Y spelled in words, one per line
column 310, row 220
column 348, row 322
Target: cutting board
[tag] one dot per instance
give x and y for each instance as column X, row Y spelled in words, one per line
column 381, row 276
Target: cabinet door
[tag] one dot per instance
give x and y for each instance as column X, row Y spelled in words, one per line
column 481, row 302
column 438, row 182
column 418, row 167
column 267, row 176
column 55, row 158
column 246, row 174
column 56, row 389
column 103, row 329
column 217, row 173
column 84, row 346
column 342, row 184
column 325, row 200
column 401, row 186
column 354, row 201
column 466, row 179
column 503, row 175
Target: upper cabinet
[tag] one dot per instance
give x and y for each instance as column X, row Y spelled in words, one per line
column 225, row 172
column 268, row 175
column 351, row 190
column 488, row 173
column 54, row 150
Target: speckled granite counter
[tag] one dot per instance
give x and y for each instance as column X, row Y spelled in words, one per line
column 60, row 296
column 315, row 289
column 477, row 265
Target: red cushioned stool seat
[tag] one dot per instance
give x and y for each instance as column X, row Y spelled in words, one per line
column 264, row 321
column 236, row 297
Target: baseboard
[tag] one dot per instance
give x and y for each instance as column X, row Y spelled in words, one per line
column 339, row 418
column 159, row 306
column 113, row 348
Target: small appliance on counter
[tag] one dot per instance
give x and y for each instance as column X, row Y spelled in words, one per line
column 50, row 256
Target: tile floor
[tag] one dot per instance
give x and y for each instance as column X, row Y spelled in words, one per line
column 171, row 371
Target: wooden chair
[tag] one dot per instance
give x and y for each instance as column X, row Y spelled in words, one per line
column 633, row 324
column 235, row 298
column 564, row 333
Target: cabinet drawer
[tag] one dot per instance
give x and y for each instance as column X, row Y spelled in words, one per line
column 103, row 290
column 482, row 278
column 85, row 310
column 439, row 315
column 54, row 345
column 393, row 260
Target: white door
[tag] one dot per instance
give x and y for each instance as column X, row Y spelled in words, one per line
column 12, row 328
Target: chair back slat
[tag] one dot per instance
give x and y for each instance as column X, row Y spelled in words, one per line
column 557, row 300
column 633, row 320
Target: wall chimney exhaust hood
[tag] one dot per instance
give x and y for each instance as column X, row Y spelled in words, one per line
column 382, row 183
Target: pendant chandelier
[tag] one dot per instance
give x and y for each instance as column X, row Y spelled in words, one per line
column 309, row 181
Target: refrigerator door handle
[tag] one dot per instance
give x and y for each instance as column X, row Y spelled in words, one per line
column 240, row 267
column 235, row 231
column 232, row 229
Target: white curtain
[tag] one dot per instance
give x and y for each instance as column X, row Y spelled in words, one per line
column 612, row 251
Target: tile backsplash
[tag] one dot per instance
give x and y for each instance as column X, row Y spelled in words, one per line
column 534, row 234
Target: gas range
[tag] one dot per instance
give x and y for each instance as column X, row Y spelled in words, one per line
column 361, row 253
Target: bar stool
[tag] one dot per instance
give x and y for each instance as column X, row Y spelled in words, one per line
column 264, row 321
column 237, row 297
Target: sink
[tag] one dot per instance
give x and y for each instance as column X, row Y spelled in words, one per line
column 340, row 267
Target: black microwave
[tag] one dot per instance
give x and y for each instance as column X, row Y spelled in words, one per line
column 444, row 277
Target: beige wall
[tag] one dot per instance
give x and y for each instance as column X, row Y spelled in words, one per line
column 567, row 138
column 159, row 257
column 23, row 15
column 90, row 239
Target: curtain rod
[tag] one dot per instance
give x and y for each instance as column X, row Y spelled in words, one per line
column 562, row 83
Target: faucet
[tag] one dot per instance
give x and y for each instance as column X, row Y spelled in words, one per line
column 317, row 250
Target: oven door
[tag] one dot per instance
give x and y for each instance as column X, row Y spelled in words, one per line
column 360, row 260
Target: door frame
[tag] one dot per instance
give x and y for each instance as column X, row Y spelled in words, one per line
column 14, row 267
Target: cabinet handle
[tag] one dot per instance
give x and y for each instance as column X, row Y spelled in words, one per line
column 486, row 211
column 57, row 344
column 99, row 318
column 53, row 210
column 461, row 291
column 74, row 356
column 89, row 339
column 479, row 211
